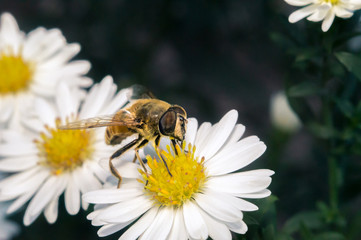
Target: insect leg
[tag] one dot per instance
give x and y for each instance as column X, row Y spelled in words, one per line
column 174, row 144
column 117, row 154
column 157, row 140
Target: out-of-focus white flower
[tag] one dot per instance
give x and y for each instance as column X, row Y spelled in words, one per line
column 8, row 229
column 282, row 115
column 58, row 161
column 203, row 197
column 323, row 10
column 32, row 65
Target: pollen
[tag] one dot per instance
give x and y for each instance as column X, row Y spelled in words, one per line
column 64, row 150
column 188, row 177
column 15, row 73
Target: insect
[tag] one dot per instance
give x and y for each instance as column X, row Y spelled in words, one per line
column 148, row 117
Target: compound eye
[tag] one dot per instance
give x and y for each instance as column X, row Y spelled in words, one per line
column 167, row 123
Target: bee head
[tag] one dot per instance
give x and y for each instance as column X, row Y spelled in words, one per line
column 173, row 123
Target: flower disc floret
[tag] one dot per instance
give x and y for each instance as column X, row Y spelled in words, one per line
column 188, row 176
column 15, row 74
column 64, row 150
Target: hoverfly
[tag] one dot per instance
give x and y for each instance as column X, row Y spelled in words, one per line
column 148, row 117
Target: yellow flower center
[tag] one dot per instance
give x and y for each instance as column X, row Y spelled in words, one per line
column 333, row 2
column 188, row 177
column 64, row 150
column 15, row 74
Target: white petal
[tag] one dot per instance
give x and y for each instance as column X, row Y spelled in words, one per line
column 320, row 13
column 20, row 177
column 141, row 225
column 85, row 180
column 342, row 13
column 10, row 150
column 45, row 112
column 60, row 57
column 230, row 199
column 202, row 133
column 97, row 99
column 20, row 201
column 125, row 211
column 42, row 198
column 238, row 227
column 72, row 197
column 327, row 22
column 218, row 135
column 240, row 156
column 178, row 231
column 105, row 196
column 98, row 171
column 302, row 13
column 6, row 108
column 10, row 33
column 31, row 44
column 15, row 164
column 51, row 211
column 192, row 126
column 15, row 188
column 194, row 222
column 118, row 102
column 11, row 136
column 299, row 2
column 261, row 194
column 76, row 68
column 65, row 102
column 216, row 230
column 53, row 41
column 238, row 183
column 112, row 228
column 128, row 169
column 236, row 134
column 160, row 227
column 219, row 207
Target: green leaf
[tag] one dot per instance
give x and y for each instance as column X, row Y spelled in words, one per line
column 346, row 107
column 351, row 61
column 330, row 236
column 311, row 220
column 322, row 131
column 303, row 89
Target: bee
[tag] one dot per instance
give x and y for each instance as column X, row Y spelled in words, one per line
column 148, row 117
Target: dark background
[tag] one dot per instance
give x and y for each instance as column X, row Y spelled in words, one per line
column 207, row 56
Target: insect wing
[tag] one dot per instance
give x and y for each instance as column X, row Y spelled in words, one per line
column 141, row 92
column 122, row 118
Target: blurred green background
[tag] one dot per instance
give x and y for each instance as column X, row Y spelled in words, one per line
column 207, row 56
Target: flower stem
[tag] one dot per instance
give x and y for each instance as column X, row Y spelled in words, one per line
column 333, row 183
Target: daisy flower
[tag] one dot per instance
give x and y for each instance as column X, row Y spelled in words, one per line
column 8, row 229
column 52, row 161
column 203, row 197
column 32, row 65
column 323, row 10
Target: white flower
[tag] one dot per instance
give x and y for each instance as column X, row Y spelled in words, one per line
column 204, row 197
column 282, row 115
column 58, row 160
column 32, row 65
column 8, row 229
column 323, row 10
